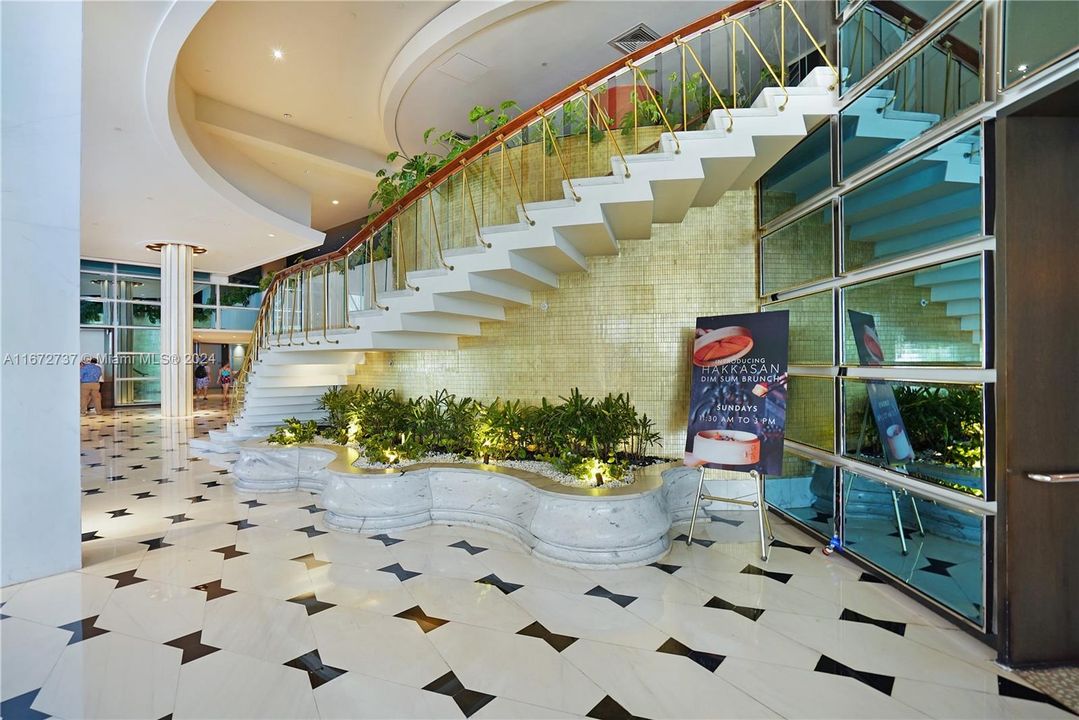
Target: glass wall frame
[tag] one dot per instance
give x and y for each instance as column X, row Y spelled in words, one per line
column 124, row 300
column 1028, row 65
column 975, row 367
column 941, row 79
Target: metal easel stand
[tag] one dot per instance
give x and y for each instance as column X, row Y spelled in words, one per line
column 898, row 516
column 761, row 506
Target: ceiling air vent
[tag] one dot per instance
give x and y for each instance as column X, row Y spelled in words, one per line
column 634, row 39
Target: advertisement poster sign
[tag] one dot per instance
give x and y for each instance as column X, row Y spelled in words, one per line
column 893, row 433
column 738, row 399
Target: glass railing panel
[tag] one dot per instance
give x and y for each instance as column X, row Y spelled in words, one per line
column 1036, row 34
column 806, row 491
column 933, row 85
column 204, row 294
column 757, row 57
column 934, row 432
column 93, row 312
column 876, row 30
column 203, row 317
column 407, row 235
column 798, row 253
column 137, row 366
column 138, row 314
column 930, row 200
column 238, row 318
column 316, row 297
column 137, row 392
column 811, row 411
column 701, row 98
column 144, row 270
column 811, row 324
column 139, row 340
column 802, row 173
column 931, row 316
column 358, row 279
column 336, row 293
column 144, row 288
column 94, row 285
column 239, row 296
column 945, row 547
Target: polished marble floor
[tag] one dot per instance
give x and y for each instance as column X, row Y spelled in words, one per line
column 199, row 601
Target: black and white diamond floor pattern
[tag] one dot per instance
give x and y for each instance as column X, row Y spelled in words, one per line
column 443, row 615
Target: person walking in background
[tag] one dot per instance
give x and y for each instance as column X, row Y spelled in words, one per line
column 224, row 379
column 89, row 387
column 202, row 381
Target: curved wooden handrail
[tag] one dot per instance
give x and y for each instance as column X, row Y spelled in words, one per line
column 492, row 140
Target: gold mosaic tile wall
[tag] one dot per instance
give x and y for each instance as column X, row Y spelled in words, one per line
column 811, row 411
column 625, row 326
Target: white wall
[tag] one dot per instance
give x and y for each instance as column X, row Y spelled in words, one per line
column 40, row 85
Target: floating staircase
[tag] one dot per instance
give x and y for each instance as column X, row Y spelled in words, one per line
column 689, row 169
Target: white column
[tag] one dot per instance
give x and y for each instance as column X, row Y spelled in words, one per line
column 41, row 83
column 177, row 291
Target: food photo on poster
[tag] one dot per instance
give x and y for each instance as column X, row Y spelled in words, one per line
column 738, row 398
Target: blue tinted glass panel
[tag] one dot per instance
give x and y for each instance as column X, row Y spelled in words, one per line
column 95, row 285
column 799, row 175
column 138, row 314
column 204, row 317
column 94, row 313
column 137, row 392
column 805, row 491
column 798, row 253
column 811, row 411
column 238, row 318
column 930, row 317
column 139, row 270
column 944, row 546
column 930, row 200
column 129, row 288
column 96, row 265
column 933, row 85
column 934, row 432
column 874, row 32
column 810, row 328
column 240, row 296
column 1036, row 33
column 204, row 294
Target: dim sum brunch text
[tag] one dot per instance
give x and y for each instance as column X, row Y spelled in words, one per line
column 751, row 370
column 52, row 358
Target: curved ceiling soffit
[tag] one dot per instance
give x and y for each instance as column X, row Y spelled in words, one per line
column 453, row 25
column 168, row 127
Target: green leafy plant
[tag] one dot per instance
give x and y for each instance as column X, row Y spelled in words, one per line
column 944, row 426
column 90, row 312
column 293, row 432
column 235, row 296
column 440, row 149
column 266, row 279
column 579, row 435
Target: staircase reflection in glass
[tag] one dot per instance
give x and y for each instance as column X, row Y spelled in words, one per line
column 928, row 201
column 933, row 85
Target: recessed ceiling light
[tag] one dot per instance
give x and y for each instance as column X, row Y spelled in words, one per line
column 1022, row 68
column 336, row 202
column 287, row 116
column 278, row 54
column 271, row 235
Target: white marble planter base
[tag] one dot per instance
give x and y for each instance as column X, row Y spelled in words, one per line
column 576, row 527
